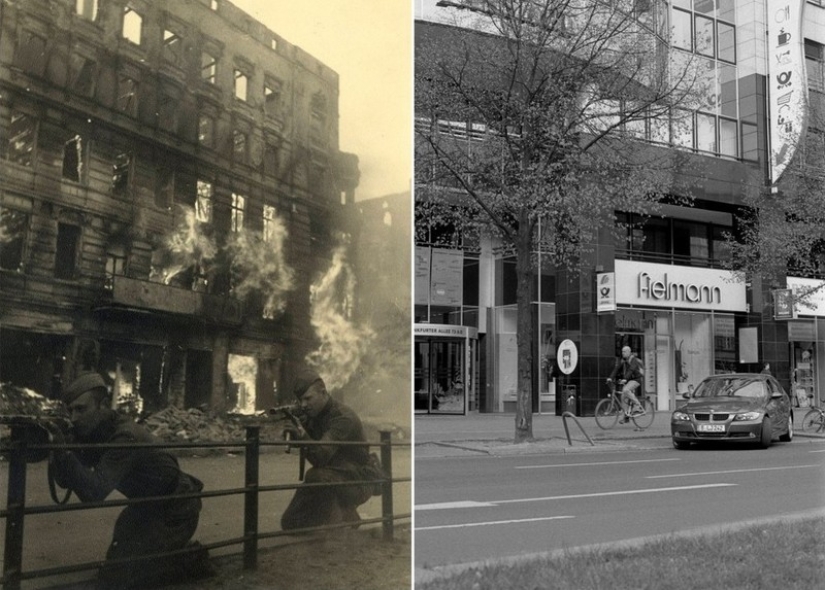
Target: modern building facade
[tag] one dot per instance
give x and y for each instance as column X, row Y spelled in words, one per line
column 661, row 286
column 170, row 186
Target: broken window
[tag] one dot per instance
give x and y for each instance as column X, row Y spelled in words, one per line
column 172, row 47
column 83, row 75
column 168, row 113
column 209, row 67
column 272, row 158
column 87, row 9
column 238, row 207
column 269, row 223
column 120, row 174
column 65, row 260
column 203, row 204
column 13, row 228
column 31, row 53
column 132, row 25
column 73, row 159
column 115, row 265
column 165, row 186
column 241, row 82
column 239, row 150
column 21, row 139
column 127, row 89
column 206, row 131
column 272, row 97
column 318, row 119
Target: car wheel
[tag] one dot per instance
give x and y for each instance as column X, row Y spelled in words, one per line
column 681, row 445
column 788, row 436
column 766, row 434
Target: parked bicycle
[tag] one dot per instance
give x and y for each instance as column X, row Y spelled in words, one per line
column 814, row 420
column 613, row 406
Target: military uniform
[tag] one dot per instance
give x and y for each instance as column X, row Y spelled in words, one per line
column 152, row 527
column 318, row 506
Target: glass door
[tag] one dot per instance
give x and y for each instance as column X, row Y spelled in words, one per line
column 439, row 386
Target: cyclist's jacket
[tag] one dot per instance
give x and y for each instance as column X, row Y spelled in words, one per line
column 631, row 369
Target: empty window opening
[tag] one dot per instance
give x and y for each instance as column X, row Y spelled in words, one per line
column 239, row 147
column 209, row 68
column 241, row 82
column 206, row 131
column 203, row 204
column 127, row 95
column 73, row 159
column 172, row 47
column 87, row 9
column 13, row 228
column 21, row 139
column 68, row 238
column 132, row 25
column 238, row 206
column 115, row 265
column 120, row 173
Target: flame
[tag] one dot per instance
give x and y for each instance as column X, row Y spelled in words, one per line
column 258, row 265
column 343, row 343
column 186, row 246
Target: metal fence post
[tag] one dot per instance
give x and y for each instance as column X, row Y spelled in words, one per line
column 250, row 544
column 15, row 507
column 386, row 488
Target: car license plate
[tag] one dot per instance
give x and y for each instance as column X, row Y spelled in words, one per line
column 711, row 428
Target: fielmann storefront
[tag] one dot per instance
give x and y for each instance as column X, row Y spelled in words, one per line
column 681, row 321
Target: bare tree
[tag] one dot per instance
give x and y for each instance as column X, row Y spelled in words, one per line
column 546, row 111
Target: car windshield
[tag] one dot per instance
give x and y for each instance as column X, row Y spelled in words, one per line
column 734, row 387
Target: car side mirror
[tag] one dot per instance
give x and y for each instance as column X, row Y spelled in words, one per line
column 777, row 395
column 687, row 395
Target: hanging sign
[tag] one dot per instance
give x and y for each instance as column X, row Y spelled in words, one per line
column 605, row 292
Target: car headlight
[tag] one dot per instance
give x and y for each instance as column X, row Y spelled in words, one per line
column 750, row 416
column 681, row 416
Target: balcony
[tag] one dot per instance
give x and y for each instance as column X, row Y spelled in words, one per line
column 145, row 295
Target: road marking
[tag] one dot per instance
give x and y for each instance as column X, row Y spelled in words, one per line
column 819, row 451
column 451, row 505
column 592, row 464
column 618, row 493
column 731, row 471
column 494, row 522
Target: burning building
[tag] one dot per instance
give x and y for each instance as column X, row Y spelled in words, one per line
column 171, row 187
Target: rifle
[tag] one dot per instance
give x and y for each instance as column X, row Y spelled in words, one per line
column 296, row 415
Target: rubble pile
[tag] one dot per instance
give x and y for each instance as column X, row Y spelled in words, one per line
column 175, row 425
column 21, row 401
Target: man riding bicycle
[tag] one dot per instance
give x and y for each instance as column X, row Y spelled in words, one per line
column 630, row 371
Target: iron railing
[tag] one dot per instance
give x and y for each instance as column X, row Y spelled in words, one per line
column 16, row 509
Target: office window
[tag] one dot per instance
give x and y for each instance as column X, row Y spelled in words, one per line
column 241, row 82
column 87, row 9
column 706, row 132
column 238, row 208
column 65, row 261
column 750, row 142
column 172, row 48
column 21, row 139
column 691, row 242
column 727, row 138
column 73, row 159
column 206, row 131
column 815, row 63
column 726, row 39
column 127, row 89
column 704, row 37
column 240, row 147
column 14, row 226
column 121, row 170
column 681, row 34
column 682, row 128
column 209, row 67
column 203, row 204
column 132, row 25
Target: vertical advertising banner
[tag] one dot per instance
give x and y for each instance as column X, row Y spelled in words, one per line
column 787, row 86
column 605, row 291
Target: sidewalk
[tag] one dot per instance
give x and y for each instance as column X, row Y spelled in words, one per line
column 492, row 434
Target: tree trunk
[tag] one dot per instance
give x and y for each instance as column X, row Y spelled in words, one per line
column 524, row 329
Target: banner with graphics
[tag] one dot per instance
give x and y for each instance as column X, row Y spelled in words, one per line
column 787, row 86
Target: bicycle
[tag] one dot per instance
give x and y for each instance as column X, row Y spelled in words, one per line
column 814, row 420
column 610, row 408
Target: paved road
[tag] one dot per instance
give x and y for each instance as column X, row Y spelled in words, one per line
column 472, row 508
column 84, row 535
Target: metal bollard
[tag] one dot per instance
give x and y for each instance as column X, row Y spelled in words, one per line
column 250, row 519
column 386, row 492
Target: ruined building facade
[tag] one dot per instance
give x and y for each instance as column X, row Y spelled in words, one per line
column 170, row 185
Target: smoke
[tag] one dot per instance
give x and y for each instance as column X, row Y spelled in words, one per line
column 259, row 266
column 343, row 343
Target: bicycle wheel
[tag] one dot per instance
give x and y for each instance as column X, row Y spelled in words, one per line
column 813, row 421
column 646, row 419
column 607, row 412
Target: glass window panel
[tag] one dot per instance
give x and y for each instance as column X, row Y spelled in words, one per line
column 750, row 142
column 680, row 30
column 690, row 240
column 704, row 7
column 660, row 129
column 682, row 128
column 726, row 10
column 727, row 91
column 727, row 42
column 706, row 132
column 704, row 36
column 707, row 85
column 686, row 4
column 727, row 138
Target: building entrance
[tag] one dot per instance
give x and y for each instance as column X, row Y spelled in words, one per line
column 444, row 377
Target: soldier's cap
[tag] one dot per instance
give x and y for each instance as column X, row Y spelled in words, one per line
column 83, row 382
column 305, row 379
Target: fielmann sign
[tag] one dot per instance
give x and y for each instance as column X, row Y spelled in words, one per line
column 662, row 285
